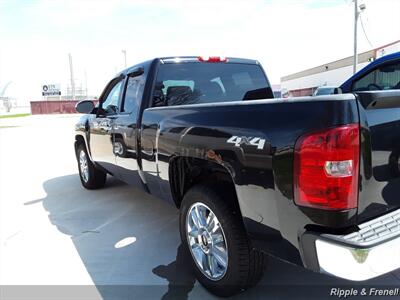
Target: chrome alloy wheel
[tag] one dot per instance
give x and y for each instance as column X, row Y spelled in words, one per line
column 83, row 165
column 207, row 241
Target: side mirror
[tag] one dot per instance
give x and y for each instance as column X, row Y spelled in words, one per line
column 84, row 107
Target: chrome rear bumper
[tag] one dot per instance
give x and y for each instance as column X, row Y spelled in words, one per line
column 371, row 251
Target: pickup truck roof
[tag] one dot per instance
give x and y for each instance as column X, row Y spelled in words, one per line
column 184, row 59
column 175, row 59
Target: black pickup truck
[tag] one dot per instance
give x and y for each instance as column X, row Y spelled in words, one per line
column 314, row 181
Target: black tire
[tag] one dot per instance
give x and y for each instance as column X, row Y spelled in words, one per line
column 96, row 177
column 122, row 152
column 245, row 265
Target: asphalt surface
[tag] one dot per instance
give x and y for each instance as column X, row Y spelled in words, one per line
column 115, row 243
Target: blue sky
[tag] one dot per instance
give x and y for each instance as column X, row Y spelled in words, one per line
column 286, row 36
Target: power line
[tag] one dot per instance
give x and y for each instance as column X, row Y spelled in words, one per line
column 365, row 33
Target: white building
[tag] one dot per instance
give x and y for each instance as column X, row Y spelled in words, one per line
column 331, row 74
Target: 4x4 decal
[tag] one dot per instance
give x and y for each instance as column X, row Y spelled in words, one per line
column 249, row 141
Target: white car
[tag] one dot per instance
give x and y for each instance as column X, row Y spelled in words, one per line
column 327, row 90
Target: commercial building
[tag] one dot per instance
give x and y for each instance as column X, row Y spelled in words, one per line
column 333, row 73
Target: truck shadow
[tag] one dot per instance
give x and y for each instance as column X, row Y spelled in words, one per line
column 179, row 275
column 129, row 244
column 127, row 239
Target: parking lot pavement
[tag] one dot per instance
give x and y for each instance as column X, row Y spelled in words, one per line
column 120, row 239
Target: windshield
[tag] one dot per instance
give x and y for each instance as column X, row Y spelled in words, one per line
column 195, row 83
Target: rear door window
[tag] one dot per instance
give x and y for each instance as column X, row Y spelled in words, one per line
column 133, row 94
column 196, row 83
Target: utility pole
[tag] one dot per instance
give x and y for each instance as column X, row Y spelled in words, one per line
column 124, row 52
column 71, row 70
column 357, row 11
column 355, row 58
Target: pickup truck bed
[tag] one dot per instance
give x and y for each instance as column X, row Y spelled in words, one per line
column 256, row 166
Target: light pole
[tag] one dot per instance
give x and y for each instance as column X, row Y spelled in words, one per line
column 124, row 53
column 72, row 76
column 357, row 11
column 86, row 90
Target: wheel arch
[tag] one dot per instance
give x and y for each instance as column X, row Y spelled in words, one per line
column 81, row 139
column 185, row 172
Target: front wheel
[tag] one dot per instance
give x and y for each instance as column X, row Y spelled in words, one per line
column 213, row 233
column 91, row 177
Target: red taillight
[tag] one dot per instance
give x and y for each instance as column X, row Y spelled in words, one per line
column 212, row 59
column 326, row 168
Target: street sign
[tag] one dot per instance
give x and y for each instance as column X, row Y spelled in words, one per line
column 51, row 90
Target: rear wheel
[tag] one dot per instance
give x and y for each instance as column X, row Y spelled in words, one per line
column 91, row 177
column 213, row 233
